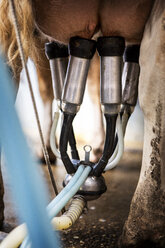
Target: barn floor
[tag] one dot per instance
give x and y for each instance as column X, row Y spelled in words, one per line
column 102, row 223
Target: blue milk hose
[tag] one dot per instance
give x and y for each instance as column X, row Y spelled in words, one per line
column 67, row 188
column 60, row 203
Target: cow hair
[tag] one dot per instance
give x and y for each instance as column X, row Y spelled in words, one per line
column 29, row 35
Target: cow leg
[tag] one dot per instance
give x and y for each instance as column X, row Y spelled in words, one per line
column 94, row 92
column 146, row 220
column 46, row 92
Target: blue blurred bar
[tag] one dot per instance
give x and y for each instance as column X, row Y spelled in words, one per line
column 28, row 189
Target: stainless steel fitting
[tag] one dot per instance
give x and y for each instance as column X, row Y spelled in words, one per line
column 81, row 51
column 130, row 77
column 75, row 83
column 130, row 81
column 92, row 188
column 111, row 50
column 111, row 68
column 58, row 69
column 58, row 59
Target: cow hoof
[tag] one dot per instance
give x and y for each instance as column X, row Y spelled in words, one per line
column 145, row 226
column 141, row 230
column 136, row 241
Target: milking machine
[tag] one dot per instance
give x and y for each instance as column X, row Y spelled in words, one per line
column 119, row 87
column 117, row 103
column 81, row 51
column 84, row 180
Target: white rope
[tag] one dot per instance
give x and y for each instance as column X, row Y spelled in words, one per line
column 44, row 148
column 114, row 160
column 116, row 156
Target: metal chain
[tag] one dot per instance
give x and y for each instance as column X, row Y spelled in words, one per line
column 44, row 148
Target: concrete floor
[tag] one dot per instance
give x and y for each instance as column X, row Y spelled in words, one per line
column 101, row 224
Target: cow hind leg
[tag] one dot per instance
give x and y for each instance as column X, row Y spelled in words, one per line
column 46, row 92
column 94, row 92
column 145, row 226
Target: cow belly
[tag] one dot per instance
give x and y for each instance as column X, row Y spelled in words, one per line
column 124, row 18
column 62, row 20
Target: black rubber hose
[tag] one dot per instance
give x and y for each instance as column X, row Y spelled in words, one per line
column 108, row 145
column 64, row 138
column 54, row 50
column 131, row 53
column 72, row 143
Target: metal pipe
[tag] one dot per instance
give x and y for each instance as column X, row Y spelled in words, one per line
column 130, row 77
column 111, row 50
column 57, row 55
column 75, row 84
column 111, row 80
column 58, row 69
column 81, row 52
column 130, row 80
